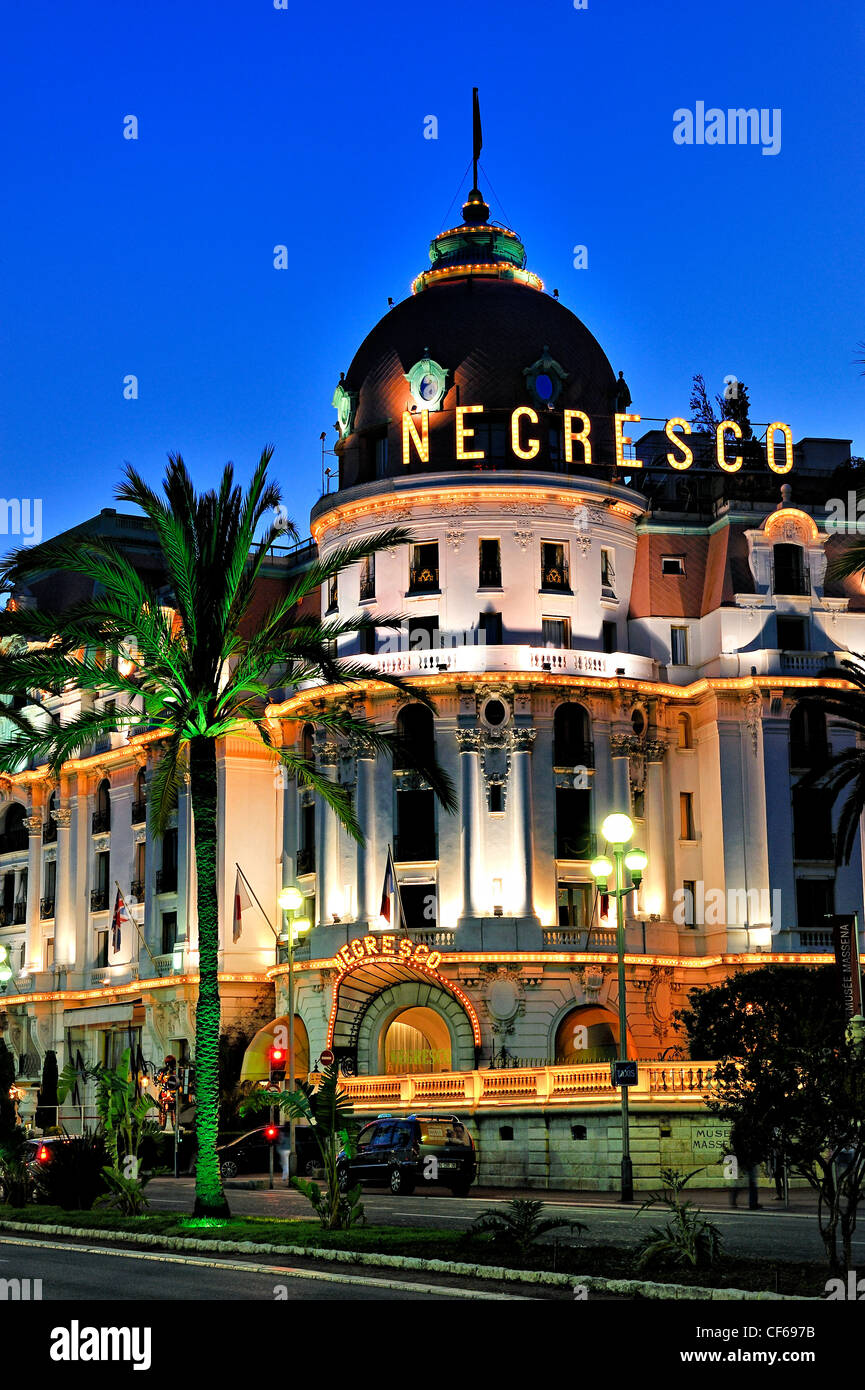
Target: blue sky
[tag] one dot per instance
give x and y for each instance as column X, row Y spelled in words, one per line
column 305, row 127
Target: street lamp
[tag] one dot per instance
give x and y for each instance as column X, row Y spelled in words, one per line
column 617, row 830
column 290, row 899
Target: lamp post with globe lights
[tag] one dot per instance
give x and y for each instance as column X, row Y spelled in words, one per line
column 617, row 830
column 290, row 900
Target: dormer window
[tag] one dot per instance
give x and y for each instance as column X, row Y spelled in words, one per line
column 673, row 565
column 789, row 571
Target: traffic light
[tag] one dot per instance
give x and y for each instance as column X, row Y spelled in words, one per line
column 277, row 1057
column 270, row 1133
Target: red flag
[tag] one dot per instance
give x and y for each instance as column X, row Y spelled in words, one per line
column 242, row 901
column 120, row 917
column 387, row 888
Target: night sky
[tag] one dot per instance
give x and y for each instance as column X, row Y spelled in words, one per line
column 305, row 127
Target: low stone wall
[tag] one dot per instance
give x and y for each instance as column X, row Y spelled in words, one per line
column 582, row 1149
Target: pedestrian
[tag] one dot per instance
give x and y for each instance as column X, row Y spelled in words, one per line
column 283, row 1148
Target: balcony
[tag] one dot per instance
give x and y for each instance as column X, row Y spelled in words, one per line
column 49, row 831
column 166, row 880
column 165, row 965
column 139, row 812
column 137, row 889
column 771, row 661
column 19, row 912
column 306, row 860
column 100, row 822
column 367, row 590
column 490, row 577
column 413, row 849
column 46, row 907
column 99, row 900
column 477, row 656
column 578, row 939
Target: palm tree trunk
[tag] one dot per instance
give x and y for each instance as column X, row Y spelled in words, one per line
column 209, row 1196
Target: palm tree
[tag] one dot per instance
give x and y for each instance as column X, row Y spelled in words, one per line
column 843, row 771
column 200, row 670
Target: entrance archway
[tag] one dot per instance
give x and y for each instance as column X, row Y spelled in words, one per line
column 416, row 1040
column 444, row 1025
column 587, row 1034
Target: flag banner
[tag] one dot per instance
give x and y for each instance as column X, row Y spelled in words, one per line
column 242, row 901
column 476, row 125
column 120, row 920
column 387, row 889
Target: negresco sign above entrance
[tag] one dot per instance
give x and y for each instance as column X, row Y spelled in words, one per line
column 388, row 947
column 577, row 430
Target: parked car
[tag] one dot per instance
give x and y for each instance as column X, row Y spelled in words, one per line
column 400, row 1152
column 37, row 1155
column 249, row 1153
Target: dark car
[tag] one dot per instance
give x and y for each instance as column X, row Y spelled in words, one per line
column 38, row 1152
column 250, row 1153
column 400, row 1152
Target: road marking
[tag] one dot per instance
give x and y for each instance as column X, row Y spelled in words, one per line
column 249, row 1268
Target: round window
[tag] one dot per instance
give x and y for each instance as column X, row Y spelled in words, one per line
column 429, row 388
column 638, row 721
column 544, row 386
column 495, row 713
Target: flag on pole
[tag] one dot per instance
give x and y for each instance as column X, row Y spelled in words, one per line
column 388, row 888
column 121, row 917
column 476, row 125
column 242, row 901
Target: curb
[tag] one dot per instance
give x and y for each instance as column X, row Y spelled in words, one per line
column 635, row 1288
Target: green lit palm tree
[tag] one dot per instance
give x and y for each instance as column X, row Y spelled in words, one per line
column 194, row 672
column 842, row 774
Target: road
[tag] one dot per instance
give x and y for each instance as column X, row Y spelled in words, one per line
column 773, row 1233
column 85, row 1274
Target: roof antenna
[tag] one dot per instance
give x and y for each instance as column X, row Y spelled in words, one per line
column 475, row 209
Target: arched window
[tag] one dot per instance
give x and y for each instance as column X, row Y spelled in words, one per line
column 414, row 727
column 789, row 571
column 102, row 814
column 809, row 745
column 684, row 731
column 139, row 801
column 14, row 834
column 572, row 736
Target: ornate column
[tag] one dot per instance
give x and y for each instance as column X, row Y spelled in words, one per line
column 524, row 849
column 366, row 906
column 654, row 893
column 33, row 822
column 469, row 741
column 325, row 837
column 621, row 746
column 64, row 913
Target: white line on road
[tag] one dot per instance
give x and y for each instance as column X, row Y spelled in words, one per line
column 250, row 1268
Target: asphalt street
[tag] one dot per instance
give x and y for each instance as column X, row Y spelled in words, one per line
column 84, row 1274
column 771, row 1232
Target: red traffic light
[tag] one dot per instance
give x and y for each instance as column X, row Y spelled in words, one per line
column 276, row 1054
column 270, row 1133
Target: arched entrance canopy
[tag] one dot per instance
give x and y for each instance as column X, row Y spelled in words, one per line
column 373, row 964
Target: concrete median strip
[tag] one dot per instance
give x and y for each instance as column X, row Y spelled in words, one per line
column 628, row 1288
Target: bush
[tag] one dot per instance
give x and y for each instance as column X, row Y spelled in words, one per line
column 73, row 1177
column 688, row 1241
column 15, row 1183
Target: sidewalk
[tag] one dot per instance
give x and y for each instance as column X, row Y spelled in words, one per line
column 802, row 1200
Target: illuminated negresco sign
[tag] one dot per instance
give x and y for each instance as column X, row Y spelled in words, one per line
column 388, row 947
column 577, row 430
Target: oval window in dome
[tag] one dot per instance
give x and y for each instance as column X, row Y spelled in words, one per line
column 495, row 713
column 544, row 386
column 429, row 388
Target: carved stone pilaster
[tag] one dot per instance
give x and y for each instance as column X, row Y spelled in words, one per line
column 623, row 745
column 63, row 817
column 328, row 754
column 753, row 716
column 33, row 824
column 469, row 740
column 523, row 739
column 654, row 750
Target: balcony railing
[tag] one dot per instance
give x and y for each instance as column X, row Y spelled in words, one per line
column 46, row 907
column 367, row 590
column 165, row 965
column 19, row 912
column 137, row 888
column 439, row 938
column 578, row 939
column 306, row 860
column 100, row 822
column 98, row 899
column 687, row 1084
column 502, row 656
column 139, row 812
column 490, row 577
column 580, row 845
column 49, row 831
column 166, row 880
column 571, row 755
column 410, row 849
column 424, row 580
